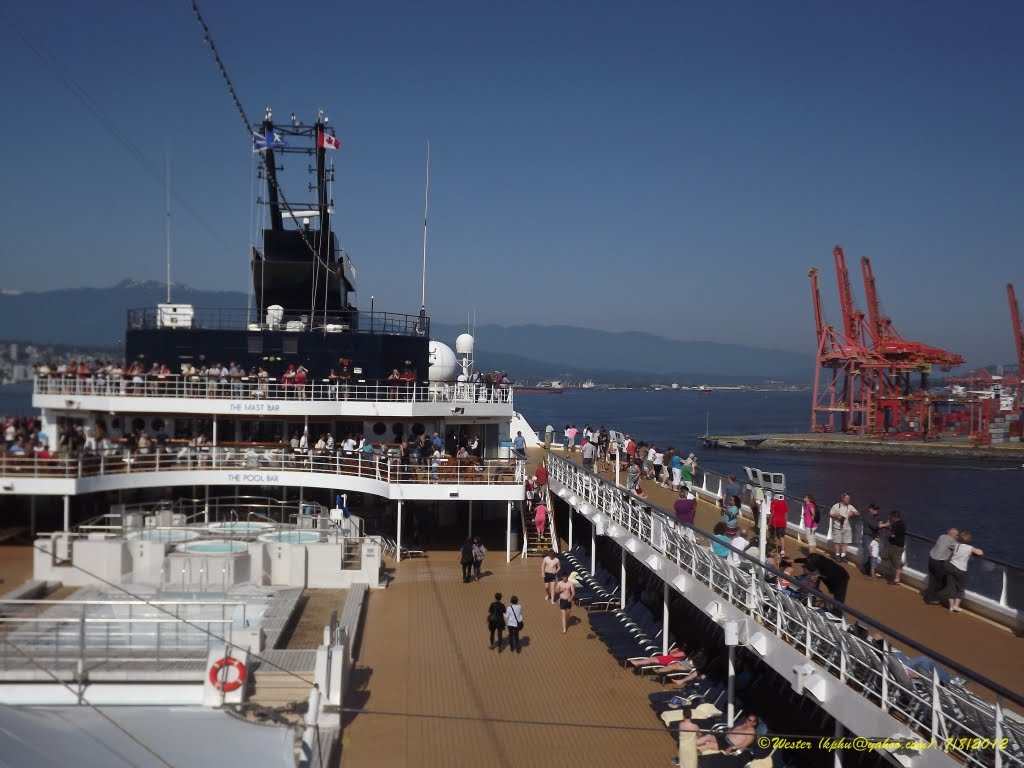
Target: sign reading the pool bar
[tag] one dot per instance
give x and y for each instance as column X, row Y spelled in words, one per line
column 252, row 477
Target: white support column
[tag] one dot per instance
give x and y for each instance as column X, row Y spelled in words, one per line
column 570, row 529
column 617, row 454
column 206, row 503
column 664, row 619
column 215, row 430
column 622, row 580
column 508, row 535
column 398, row 533
column 593, row 548
column 730, row 714
column 67, row 512
column 762, row 519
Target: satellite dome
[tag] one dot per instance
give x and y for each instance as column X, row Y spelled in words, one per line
column 464, row 344
column 443, row 365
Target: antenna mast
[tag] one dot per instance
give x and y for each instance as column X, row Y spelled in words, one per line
column 167, row 218
column 426, row 210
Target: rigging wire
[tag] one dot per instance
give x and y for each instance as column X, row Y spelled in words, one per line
column 186, row 622
column 271, row 178
column 45, row 670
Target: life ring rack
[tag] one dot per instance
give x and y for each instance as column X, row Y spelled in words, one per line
column 227, row 686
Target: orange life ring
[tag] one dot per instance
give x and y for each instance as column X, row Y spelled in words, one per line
column 227, row 686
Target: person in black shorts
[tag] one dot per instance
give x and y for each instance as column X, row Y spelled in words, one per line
column 566, row 591
column 549, row 568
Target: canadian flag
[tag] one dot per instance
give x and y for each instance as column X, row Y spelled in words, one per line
column 327, row 141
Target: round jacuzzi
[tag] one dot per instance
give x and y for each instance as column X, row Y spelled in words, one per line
column 166, row 535
column 291, row 537
column 243, row 527
column 214, row 547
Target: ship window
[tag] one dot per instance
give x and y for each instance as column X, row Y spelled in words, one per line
column 380, row 428
column 397, row 429
column 290, row 346
column 255, row 345
column 418, row 429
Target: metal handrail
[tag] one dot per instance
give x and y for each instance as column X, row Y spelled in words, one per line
column 999, row 592
column 746, row 587
column 374, row 467
column 255, row 390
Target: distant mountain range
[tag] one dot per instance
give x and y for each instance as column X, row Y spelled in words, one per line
column 95, row 317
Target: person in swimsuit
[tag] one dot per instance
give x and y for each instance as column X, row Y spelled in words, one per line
column 674, row 661
column 549, row 568
column 741, row 736
column 566, row 592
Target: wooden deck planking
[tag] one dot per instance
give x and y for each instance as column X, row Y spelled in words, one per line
column 451, row 701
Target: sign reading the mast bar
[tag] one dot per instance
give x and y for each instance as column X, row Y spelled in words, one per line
column 247, row 406
column 252, row 477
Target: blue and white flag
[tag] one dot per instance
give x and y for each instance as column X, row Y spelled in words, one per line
column 271, row 139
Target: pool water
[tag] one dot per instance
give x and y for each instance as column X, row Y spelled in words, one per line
column 214, row 547
column 292, row 537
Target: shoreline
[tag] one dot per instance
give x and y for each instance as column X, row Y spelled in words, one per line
column 1009, row 452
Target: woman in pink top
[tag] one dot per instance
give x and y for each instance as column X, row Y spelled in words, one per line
column 809, row 514
column 540, row 518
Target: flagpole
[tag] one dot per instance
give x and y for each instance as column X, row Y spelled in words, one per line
column 167, row 217
column 426, row 210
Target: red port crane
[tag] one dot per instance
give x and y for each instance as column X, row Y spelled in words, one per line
column 887, row 341
column 844, row 374
column 1018, row 341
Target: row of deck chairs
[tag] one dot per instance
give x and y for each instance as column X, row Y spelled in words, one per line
column 598, row 590
column 390, row 548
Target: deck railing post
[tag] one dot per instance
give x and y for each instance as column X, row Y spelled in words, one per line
column 999, row 733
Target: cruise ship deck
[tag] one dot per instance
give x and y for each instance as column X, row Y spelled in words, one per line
column 974, row 641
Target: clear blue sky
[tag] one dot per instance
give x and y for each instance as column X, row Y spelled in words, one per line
column 665, row 166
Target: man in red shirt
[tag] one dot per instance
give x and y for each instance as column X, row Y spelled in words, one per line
column 541, row 489
column 778, row 511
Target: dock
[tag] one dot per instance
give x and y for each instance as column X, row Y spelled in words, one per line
column 816, row 442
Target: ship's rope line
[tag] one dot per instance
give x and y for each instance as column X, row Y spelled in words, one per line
column 186, row 622
column 110, row 124
column 42, row 667
column 208, row 39
column 815, row 738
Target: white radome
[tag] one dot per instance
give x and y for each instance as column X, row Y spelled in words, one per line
column 443, row 364
column 464, row 344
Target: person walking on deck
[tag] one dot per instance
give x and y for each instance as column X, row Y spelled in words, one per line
column 541, row 484
column 869, row 529
column 549, row 568
column 842, row 532
column 810, row 520
column 938, row 561
column 956, row 570
column 897, row 542
column 566, row 591
column 540, row 519
column 466, row 560
column 479, row 551
column 689, row 469
column 514, row 623
column 496, row 620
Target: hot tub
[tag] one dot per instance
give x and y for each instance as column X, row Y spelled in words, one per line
column 242, row 527
column 291, row 537
column 214, row 547
column 166, row 535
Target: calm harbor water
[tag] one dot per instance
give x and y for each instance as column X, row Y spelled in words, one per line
column 934, row 494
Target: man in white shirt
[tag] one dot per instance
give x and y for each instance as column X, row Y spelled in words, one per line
column 739, row 541
column 842, row 528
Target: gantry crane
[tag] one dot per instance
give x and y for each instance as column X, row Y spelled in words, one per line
column 1018, row 342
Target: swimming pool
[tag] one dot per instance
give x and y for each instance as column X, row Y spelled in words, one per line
column 291, row 537
column 214, row 547
column 166, row 535
column 240, row 526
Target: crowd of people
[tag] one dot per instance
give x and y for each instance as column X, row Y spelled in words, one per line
column 881, row 542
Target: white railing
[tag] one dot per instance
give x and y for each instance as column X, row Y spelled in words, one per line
column 355, row 464
column 960, row 721
column 253, row 388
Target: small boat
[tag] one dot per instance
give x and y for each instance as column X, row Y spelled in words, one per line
column 543, row 388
